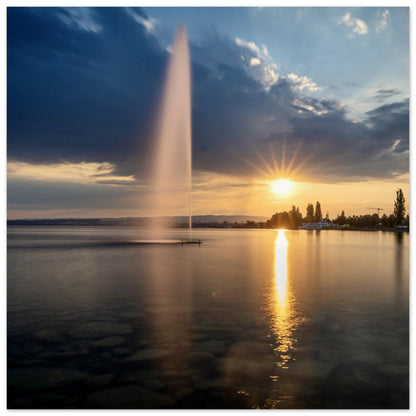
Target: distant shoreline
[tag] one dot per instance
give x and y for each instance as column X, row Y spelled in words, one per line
column 137, row 222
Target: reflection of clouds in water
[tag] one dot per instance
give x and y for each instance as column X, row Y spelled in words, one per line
column 284, row 318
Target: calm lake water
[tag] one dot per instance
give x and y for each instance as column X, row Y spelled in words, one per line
column 248, row 319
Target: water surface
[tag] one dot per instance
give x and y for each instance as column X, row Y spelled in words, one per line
column 249, row 319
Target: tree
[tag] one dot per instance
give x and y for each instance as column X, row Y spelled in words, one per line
column 399, row 208
column 318, row 212
column 309, row 213
column 295, row 217
column 289, row 220
column 341, row 219
column 384, row 220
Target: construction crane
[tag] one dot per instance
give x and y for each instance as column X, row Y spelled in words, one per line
column 378, row 213
column 378, row 210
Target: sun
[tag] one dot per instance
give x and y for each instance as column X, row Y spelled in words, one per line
column 282, row 186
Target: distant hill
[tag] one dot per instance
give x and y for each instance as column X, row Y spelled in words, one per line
column 179, row 221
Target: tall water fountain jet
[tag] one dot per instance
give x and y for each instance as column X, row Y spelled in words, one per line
column 172, row 184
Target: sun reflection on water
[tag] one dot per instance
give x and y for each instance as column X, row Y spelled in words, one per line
column 282, row 302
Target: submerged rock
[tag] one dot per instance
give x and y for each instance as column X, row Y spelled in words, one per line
column 20, row 403
column 127, row 397
column 32, row 348
column 201, row 357
column 40, row 378
column 213, row 347
column 49, row 336
column 152, row 384
column 132, row 315
column 210, row 383
column 109, row 342
column 138, row 377
column 101, row 380
column 100, row 329
column 122, row 351
column 147, row 355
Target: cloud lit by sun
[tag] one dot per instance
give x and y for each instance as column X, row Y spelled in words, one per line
column 282, row 186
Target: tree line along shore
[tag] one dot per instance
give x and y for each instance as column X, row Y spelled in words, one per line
column 398, row 221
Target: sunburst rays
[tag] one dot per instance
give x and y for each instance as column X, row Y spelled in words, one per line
column 290, row 166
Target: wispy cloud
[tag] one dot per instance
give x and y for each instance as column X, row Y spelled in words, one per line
column 384, row 93
column 149, row 23
column 80, row 18
column 383, row 21
column 83, row 172
column 358, row 26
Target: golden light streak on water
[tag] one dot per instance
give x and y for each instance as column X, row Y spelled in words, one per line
column 282, row 302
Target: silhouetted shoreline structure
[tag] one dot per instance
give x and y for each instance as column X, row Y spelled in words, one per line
column 291, row 220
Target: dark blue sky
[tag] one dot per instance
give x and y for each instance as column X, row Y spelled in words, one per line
column 330, row 86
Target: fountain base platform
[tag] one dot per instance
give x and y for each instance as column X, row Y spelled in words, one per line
column 144, row 242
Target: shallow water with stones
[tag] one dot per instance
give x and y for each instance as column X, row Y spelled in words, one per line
column 248, row 319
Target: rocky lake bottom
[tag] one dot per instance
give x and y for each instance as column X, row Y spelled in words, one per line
column 93, row 340
column 108, row 362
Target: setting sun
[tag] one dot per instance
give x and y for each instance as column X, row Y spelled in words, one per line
column 282, row 186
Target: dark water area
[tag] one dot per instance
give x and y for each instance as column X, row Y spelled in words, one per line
column 248, row 319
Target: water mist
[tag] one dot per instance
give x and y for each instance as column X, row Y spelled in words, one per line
column 173, row 167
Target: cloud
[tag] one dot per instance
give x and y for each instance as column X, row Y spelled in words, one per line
column 82, row 172
column 255, row 61
column 146, row 21
column 383, row 21
column 384, row 93
column 78, row 96
column 258, row 63
column 46, row 195
column 80, row 18
column 358, row 26
column 301, row 83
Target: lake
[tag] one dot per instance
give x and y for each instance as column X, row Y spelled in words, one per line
column 248, row 319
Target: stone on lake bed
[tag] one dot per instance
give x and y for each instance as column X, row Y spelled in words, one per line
column 205, row 384
column 109, row 342
column 153, row 384
column 147, row 355
column 32, row 348
column 122, row 351
column 132, row 315
column 199, row 357
column 49, row 336
column 134, row 376
column 40, row 378
column 127, row 397
column 213, row 347
column 101, row 380
column 100, row 329
column 394, row 370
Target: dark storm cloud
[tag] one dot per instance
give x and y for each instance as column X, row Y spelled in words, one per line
column 83, row 85
column 75, row 94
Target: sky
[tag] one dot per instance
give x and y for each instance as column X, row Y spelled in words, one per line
column 318, row 96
